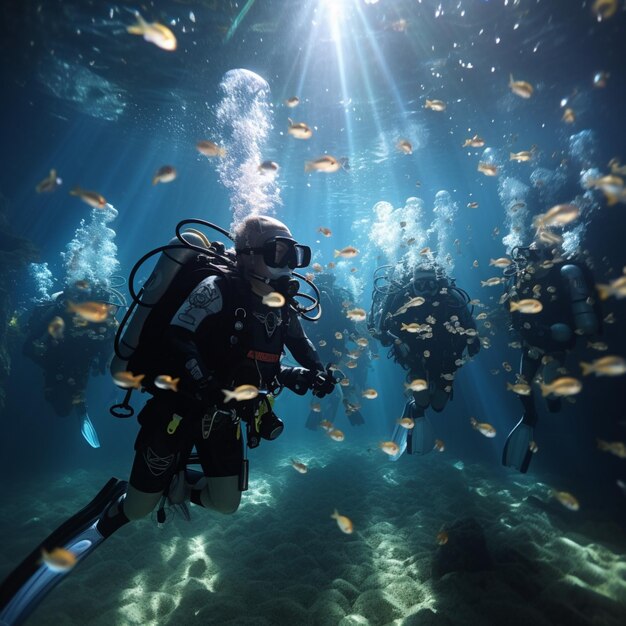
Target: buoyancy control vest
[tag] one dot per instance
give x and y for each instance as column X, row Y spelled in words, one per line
column 179, row 270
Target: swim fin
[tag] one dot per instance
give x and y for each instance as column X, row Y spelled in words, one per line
column 27, row 585
column 88, row 431
column 422, row 436
column 517, row 451
column 313, row 420
column 355, row 418
column 399, row 436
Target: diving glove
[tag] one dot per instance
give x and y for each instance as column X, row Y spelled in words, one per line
column 324, row 383
column 298, row 379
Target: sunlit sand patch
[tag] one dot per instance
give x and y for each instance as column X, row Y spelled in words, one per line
column 259, row 492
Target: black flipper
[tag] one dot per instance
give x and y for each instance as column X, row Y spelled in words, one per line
column 313, row 420
column 355, row 418
column 421, row 437
column 26, row 586
column 517, row 449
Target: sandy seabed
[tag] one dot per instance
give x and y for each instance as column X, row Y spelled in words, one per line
column 281, row 559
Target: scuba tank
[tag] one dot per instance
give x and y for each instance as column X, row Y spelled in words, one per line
column 585, row 318
column 172, row 259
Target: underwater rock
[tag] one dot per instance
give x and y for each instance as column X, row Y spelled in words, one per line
column 465, row 551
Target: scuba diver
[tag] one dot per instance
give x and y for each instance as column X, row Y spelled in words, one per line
column 423, row 317
column 68, row 348
column 563, row 288
column 205, row 340
column 330, row 335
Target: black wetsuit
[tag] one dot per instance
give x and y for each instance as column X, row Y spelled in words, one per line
column 222, row 336
column 435, row 358
column 67, row 361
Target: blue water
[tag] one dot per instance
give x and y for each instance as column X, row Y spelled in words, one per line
column 107, row 109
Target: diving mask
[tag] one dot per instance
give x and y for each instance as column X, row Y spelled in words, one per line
column 282, row 252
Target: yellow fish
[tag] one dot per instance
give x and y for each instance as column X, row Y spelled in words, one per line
column 344, row 523
column 240, row 393
column 155, row 33
column 520, row 87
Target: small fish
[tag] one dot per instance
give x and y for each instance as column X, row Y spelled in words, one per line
column 154, row 32
column 292, row 102
column 492, row 282
column 299, row 130
column 90, row 311
column 268, row 167
column 425, row 251
column 520, row 87
column 210, row 149
column 604, row 9
column 317, row 267
column 474, row 142
column 472, row 205
column 439, row 445
column 370, row 394
column 344, row 523
column 325, row 231
column 558, row 215
column 414, row 327
column 349, row 252
column 56, row 327
column 483, row 428
column 274, row 300
column 528, row 306
column 322, row 343
column 336, row 435
column 614, row 447
column 326, row 425
column 240, row 393
column 563, row 386
column 167, row 383
column 605, row 366
column 600, row 79
column 128, row 380
column 165, row 174
column 488, row 169
column 569, row 116
column 316, row 407
column 299, row 467
column 404, row 145
column 566, row 499
column 524, row 155
column 49, row 184
column 418, row 384
column 533, row 447
column 363, row 342
column 58, row 560
column 616, row 288
column 338, row 335
column 406, row 422
column 93, row 199
column 389, row 447
column 435, row 105
column 521, row 389
column 598, row 345
column 357, row 315
column 442, row 538
column 416, row 301
column 344, row 382
column 500, row 262
column 331, row 264
column 351, row 364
